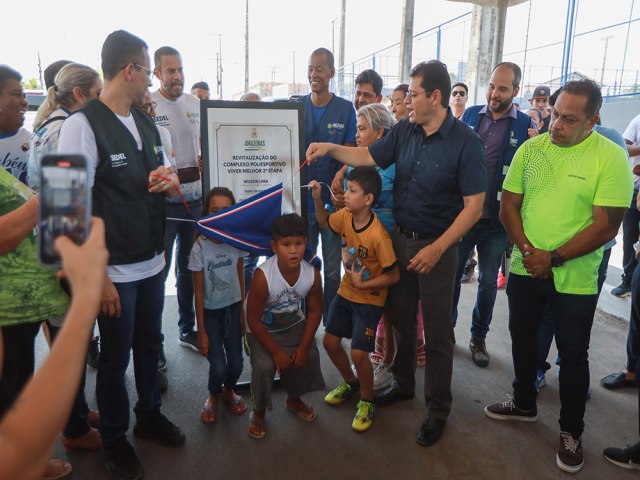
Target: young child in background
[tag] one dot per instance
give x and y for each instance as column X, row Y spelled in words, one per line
column 280, row 338
column 218, row 281
column 356, row 309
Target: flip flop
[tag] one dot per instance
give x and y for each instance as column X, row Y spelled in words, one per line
column 256, row 428
column 56, row 469
column 306, row 413
column 209, row 410
column 238, row 406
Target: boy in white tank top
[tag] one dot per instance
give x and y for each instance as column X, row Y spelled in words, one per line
column 281, row 338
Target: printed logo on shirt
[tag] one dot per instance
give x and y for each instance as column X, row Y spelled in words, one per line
column 15, row 166
column 335, row 127
column 118, row 160
column 193, row 117
column 363, row 252
column 162, row 120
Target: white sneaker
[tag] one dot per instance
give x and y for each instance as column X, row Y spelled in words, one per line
column 382, row 376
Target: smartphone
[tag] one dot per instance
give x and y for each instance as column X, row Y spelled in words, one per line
column 65, row 203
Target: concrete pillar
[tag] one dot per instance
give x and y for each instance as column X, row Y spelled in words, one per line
column 485, row 47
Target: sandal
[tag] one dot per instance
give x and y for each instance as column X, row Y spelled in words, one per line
column 208, row 413
column 305, row 412
column 237, row 405
column 56, row 468
column 256, row 427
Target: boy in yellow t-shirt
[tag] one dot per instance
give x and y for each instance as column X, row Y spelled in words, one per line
column 356, row 309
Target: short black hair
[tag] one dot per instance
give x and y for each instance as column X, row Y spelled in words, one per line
column 517, row 73
column 120, row 49
column 326, row 52
column 52, row 70
column 372, row 77
column 217, row 192
column 403, row 87
column 368, row 179
column 8, row 73
column 589, row 89
column 157, row 56
column 435, row 76
column 461, row 84
column 554, row 97
column 202, row 85
column 288, row 225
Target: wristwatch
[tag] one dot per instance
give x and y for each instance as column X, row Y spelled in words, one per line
column 556, row 259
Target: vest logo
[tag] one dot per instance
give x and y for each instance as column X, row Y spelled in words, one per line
column 118, row 160
column 513, row 141
column 335, row 127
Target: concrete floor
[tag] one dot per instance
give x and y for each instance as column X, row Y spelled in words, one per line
column 473, row 447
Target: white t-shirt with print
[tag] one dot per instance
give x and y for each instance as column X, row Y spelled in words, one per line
column 219, row 262
column 182, row 118
column 14, row 150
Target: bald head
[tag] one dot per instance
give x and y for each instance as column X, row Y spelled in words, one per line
column 250, row 97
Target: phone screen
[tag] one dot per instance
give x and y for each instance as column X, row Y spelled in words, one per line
column 65, row 203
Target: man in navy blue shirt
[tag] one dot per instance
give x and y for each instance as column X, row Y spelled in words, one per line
column 438, row 196
column 327, row 118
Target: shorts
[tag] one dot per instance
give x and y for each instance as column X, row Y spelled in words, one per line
column 357, row 321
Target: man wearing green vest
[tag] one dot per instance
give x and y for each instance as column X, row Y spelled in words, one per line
column 564, row 197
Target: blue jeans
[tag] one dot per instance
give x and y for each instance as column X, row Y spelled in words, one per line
column 331, row 259
column 138, row 328
column 225, row 347
column 491, row 246
column 184, row 233
column 545, row 333
column 630, row 232
column 572, row 317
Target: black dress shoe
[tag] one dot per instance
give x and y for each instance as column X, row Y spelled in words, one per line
column 390, row 395
column 430, row 431
column 617, row 380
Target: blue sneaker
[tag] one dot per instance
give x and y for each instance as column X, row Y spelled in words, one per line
column 540, row 380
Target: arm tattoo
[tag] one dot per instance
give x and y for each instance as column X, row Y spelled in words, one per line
column 614, row 215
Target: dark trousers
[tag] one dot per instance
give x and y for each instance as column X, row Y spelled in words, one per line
column 18, row 363
column 630, row 233
column 184, row 234
column 545, row 332
column 572, row 317
column 633, row 336
column 77, row 425
column 435, row 292
column 138, row 329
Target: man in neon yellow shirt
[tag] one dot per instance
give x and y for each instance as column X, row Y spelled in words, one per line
column 564, row 197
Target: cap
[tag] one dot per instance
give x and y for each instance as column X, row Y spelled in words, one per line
column 541, row 91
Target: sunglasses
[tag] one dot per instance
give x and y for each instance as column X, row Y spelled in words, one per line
column 460, row 93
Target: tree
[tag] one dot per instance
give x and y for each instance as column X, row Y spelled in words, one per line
column 30, row 84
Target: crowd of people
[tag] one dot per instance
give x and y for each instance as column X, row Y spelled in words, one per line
column 405, row 198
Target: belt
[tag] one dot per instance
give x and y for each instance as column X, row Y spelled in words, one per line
column 415, row 235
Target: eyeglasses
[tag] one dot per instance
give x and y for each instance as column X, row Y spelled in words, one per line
column 413, row 95
column 457, row 93
column 149, row 72
column 148, row 107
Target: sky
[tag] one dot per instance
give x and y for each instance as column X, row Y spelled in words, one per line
column 284, row 32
